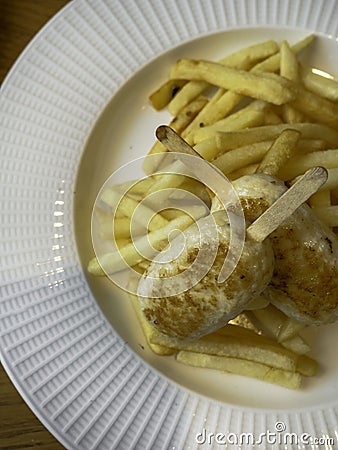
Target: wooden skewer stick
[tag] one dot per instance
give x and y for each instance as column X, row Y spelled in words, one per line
column 280, row 210
column 286, row 204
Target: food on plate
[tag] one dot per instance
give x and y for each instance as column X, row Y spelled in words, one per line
column 305, row 281
column 262, row 118
column 209, row 304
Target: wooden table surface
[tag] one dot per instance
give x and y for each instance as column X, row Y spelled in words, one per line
column 20, row 20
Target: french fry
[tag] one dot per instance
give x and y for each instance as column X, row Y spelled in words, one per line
column 236, row 121
column 147, row 328
column 227, row 140
column 108, row 228
column 187, row 115
column 289, row 68
column 171, row 178
column 271, row 117
column 300, row 163
column 241, row 157
column 317, row 108
column 280, row 152
column 323, row 86
column 332, row 179
column 203, row 117
column 128, row 205
column 289, row 329
column 269, row 321
column 165, row 93
column 179, row 123
column 128, row 256
column 258, row 303
column 288, row 62
column 219, row 106
column 307, row 366
column 240, row 343
column 207, row 148
column 229, row 100
column 291, row 115
column 272, row 64
column 328, row 215
column 192, row 89
column 246, row 170
column 239, row 366
column 320, row 199
column 117, row 230
column 297, row 345
column 274, row 323
column 273, row 89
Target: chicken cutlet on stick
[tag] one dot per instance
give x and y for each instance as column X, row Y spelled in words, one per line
column 210, row 304
column 304, row 284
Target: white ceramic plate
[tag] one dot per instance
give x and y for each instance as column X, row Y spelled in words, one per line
column 73, row 109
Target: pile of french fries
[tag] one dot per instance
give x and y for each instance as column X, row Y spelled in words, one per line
column 256, row 110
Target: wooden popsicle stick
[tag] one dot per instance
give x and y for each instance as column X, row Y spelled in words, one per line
column 280, row 210
column 176, row 144
column 287, row 204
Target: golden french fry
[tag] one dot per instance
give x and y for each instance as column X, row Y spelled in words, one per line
column 288, row 62
column 203, row 117
column 252, row 54
column 300, row 163
column 280, row 152
column 271, row 117
column 332, row 180
column 239, row 366
column 187, row 94
column 258, row 303
column 290, row 70
column 236, row 121
column 165, row 93
column 106, row 224
column 241, row 157
column 272, row 64
column 228, row 140
column 147, row 328
column 322, row 85
column 186, row 115
column 207, row 148
column 179, row 123
column 328, row 215
column 297, row 345
column 238, row 343
column 292, row 115
column 317, row 108
column 219, row 106
column 229, row 99
column 128, row 256
column 289, row 329
column 321, row 199
column 307, row 366
column 246, row 170
column 273, row 322
column 269, row 321
column 128, row 205
column 273, row 89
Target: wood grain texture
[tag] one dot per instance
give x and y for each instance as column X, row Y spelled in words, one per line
column 20, row 20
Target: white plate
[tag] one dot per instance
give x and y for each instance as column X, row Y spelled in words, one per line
column 80, row 89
